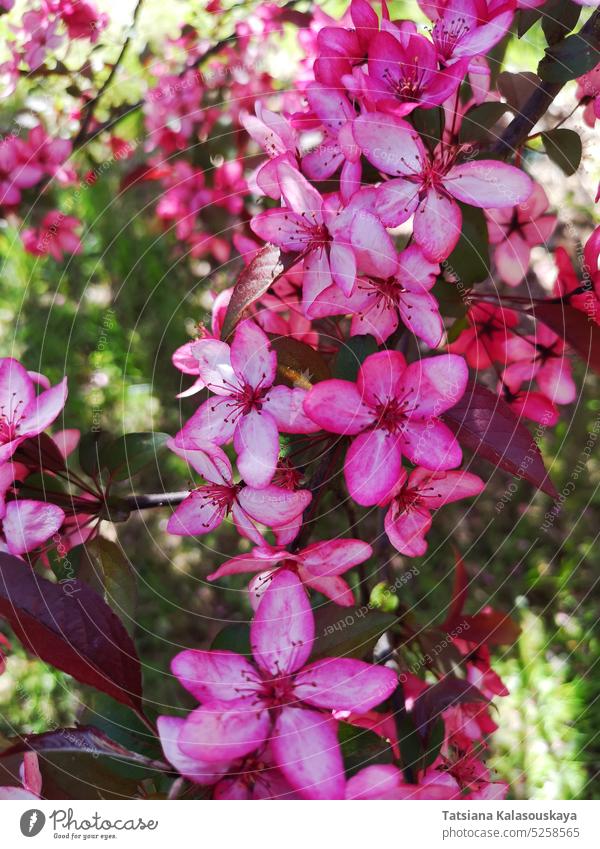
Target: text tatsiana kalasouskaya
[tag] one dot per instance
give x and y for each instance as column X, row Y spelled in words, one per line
column 554, row 816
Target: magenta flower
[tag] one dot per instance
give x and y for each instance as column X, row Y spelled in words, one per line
column 404, row 74
column 55, row 237
column 391, row 410
column 414, row 497
column 516, row 231
column 428, row 185
column 319, row 566
column 278, row 139
column 247, row 407
column 386, row 781
column 208, row 505
column 540, row 357
column 326, row 237
column 16, row 170
column 485, row 340
column 377, row 304
column 278, row 697
column 468, row 28
column 24, row 414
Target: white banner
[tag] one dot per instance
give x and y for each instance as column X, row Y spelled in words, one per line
column 287, row 825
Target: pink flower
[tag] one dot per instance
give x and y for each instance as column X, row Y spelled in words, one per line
column 377, row 304
column 247, row 407
column 404, row 75
column 485, row 341
column 43, row 37
column 540, row 357
column 391, row 410
column 16, row 171
column 278, row 139
column 428, row 185
column 385, row 781
column 319, row 566
column 414, row 497
column 326, row 237
column 81, row 17
column 207, row 506
column 516, row 231
column 22, row 413
column 277, row 697
column 588, row 89
column 55, row 237
column 467, row 28
column 51, row 154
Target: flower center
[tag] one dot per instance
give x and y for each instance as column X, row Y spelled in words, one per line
column 9, row 422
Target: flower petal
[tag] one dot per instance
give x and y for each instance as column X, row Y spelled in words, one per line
column 224, row 731
column 252, row 357
column 28, row 524
column 373, row 465
column 488, row 183
column 256, row 441
column 342, row 683
column 215, row 675
column 169, row 729
column 337, row 406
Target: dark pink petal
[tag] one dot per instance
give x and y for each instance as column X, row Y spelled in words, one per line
column 298, row 193
column 286, row 405
column 224, row 731
column 433, row 385
column 273, row 505
column 283, row 630
column 488, row 183
column 380, row 377
column 406, row 530
column 535, row 406
column 420, row 313
column 512, row 259
column 439, row 488
column 415, row 272
column 221, row 676
column 16, row 387
column 317, row 277
column 44, row 409
column 337, row 406
column 255, row 561
column 397, row 200
column 282, row 227
column 169, row 729
column 342, row 263
column 306, row 749
column 344, row 684
column 198, row 514
column 431, row 444
column 374, row 247
column 373, row 465
column 390, row 144
column 334, row 557
column 332, row 586
column 379, row 781
column 252, row 357
column 27, row 524
column 556, row 381
column 256, row 441
column 437, row 225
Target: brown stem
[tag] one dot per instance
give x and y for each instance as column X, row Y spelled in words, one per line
column 155, row 499
column 519, row 128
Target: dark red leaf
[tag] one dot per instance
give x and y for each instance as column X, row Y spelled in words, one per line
column 81, row 738
column 459, row 590
column 574, row 327
column 488, row 626
column 486, row 425
column 439, row 697
column 297, row 363
column 266, row 267
column 72, row 628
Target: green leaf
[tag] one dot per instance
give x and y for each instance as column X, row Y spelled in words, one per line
column 361, row 748
column 348, row 631
column 559, row 19
column 457, row 328
column 128, row 454
column 90, row 450
column 352, row 355
column 469, row 262
column 568, row 59
column 478, row 122
column 234, row 637
column 450, row 299
column 429, row 124
column 527, row 18
column 106, row 569
column 564, row 149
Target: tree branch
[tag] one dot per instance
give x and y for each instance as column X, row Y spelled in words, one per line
column 519, row 128
column 155, row 499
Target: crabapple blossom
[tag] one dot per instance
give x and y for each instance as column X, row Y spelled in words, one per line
column 319, row 566
column 278, row 697
column 55, row 237
column 542, row 358
column 391, row 410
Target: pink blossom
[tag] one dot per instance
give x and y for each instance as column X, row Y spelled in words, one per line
column 55, row 237
column 208, row 505
column 81, row 18
column 43, row 37
column 485, row 341
column 16, row 170
column 468, row 28
column 23, row 413
column 385, row 781
column 27, row 524
column 516, row 231
column 277, row 697
column 404, row 74
column 540, row 357
column 391, row 410
column 414, row 497
column 184, row 358
column 428, row 185
column 377, row 304
column 51, row 154
column 588, row 89
column 326, row 237
column 319, row 566
column 247, row 408
column 278, row 139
